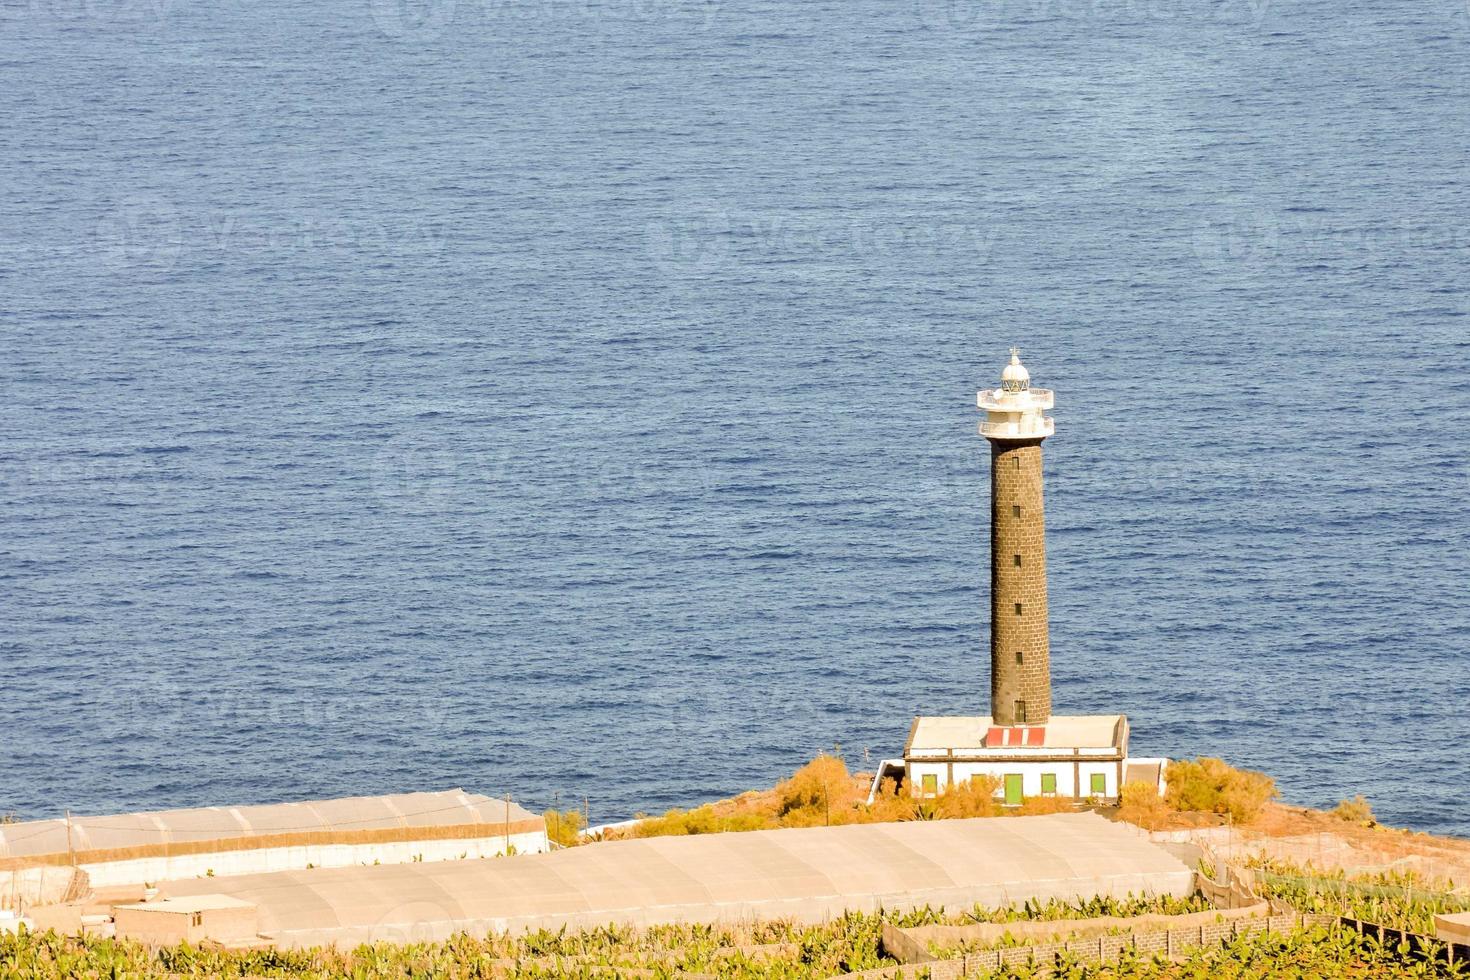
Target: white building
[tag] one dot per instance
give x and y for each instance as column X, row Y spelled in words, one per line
column 1079, row 757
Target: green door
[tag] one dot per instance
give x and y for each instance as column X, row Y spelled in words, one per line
column 1013, row 789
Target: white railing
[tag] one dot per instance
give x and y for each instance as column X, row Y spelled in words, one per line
column 1035, row 427
column 996, row 400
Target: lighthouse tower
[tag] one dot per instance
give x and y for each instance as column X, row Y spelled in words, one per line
column 1020, row 654
column 1021, row 745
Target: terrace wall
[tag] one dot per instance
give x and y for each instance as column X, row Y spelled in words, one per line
column 1101, row 949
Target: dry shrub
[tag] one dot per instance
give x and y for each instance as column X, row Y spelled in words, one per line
column 563, row 827
column 890, row 805
column 1213, row 786
column 818, row 791
column 975, row 798
column 1141, row 805
column 822, row 792
column 1034, row 806
column 1355, row 810
column 701, row 820
column 677, row 823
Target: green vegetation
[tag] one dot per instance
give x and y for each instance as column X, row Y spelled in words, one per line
column 1397, row 899
column 1328, row 954
column 1053, row 910
column 780, row 951
column 1094, row 908
column 1212, row 786
column 777, row 950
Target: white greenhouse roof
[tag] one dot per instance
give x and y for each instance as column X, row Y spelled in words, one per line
column 403, row 811
column 807, row 874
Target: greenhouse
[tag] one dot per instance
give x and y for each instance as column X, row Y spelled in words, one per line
column 803, row 874
column 131, row 848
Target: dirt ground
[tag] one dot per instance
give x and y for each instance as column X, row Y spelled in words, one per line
column 1320, row 839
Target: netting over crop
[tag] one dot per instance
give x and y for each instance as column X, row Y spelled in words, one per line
column 132, row 831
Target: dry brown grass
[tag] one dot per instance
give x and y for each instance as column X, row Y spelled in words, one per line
column 820, row 793
column 1355, row 810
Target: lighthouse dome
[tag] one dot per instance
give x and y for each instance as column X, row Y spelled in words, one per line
column 1015, row 377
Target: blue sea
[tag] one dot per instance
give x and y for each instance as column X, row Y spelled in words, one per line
column 575, row 399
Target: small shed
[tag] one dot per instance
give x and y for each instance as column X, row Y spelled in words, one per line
column 188, row 919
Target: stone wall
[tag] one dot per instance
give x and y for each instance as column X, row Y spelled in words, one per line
column 1040, row 931
column 1103, row 949
column 1020, row 653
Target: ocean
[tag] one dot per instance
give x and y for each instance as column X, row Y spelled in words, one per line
column 575, row 399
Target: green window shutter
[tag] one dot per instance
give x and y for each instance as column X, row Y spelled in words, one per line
column 931, row 785
column 1013, row 789
column 1049, row 782
column 1099, row 784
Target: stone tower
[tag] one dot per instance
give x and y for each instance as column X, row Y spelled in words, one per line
column 1020, row 668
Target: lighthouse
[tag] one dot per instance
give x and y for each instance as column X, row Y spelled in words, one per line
column 1025, row 749
column 1020, row 653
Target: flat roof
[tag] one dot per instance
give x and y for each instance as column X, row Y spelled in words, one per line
column 1060, row 732
column 1149, row 771
column 806, row 874
column 188, row 904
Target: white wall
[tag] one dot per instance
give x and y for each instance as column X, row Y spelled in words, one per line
column 1030, row 775
column 295, row 858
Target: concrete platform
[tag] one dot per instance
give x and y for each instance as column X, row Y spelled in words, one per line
column 1453, row 928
